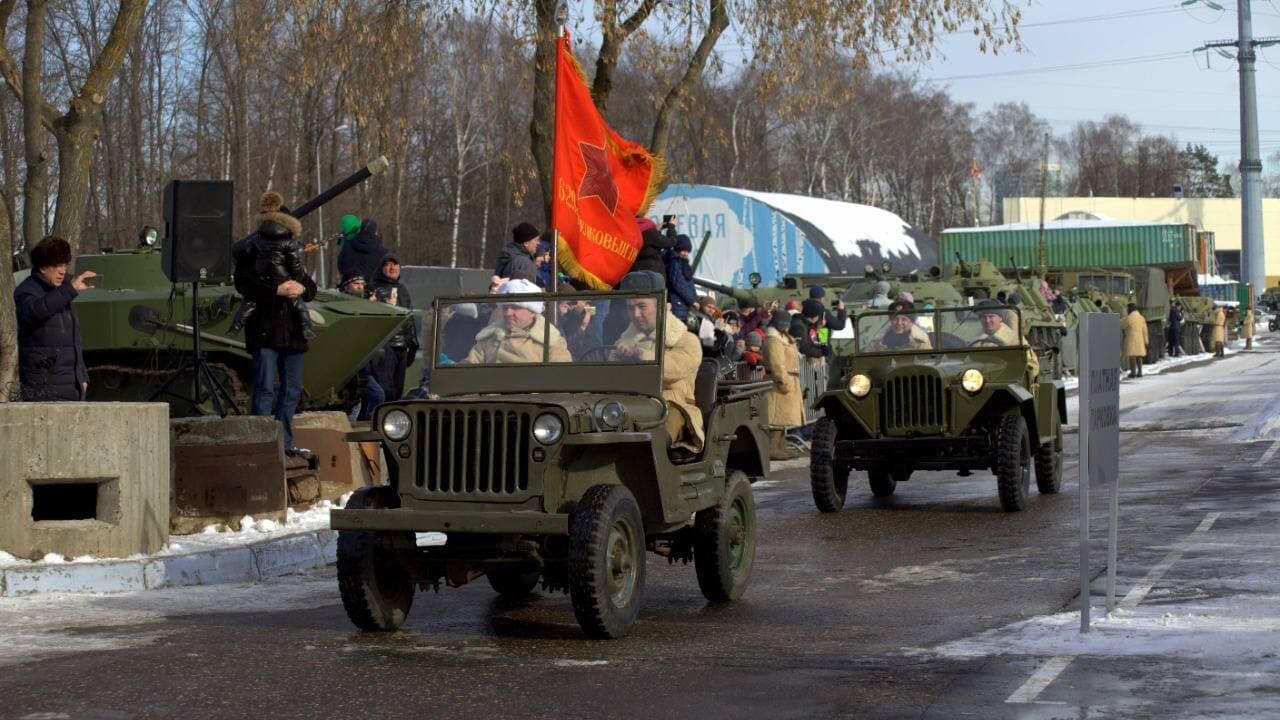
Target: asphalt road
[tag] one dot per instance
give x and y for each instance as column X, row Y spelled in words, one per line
column 841, row 619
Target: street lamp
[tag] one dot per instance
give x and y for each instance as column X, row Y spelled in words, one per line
column 324, row 252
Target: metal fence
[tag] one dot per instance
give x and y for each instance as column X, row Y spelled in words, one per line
column 813, row 381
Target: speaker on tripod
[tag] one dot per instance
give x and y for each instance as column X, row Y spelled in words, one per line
column 197, row 249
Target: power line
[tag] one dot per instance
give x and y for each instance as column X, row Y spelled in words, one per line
column 1139, row 59
column 1123, row 15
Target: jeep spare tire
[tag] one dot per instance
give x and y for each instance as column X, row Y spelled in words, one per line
column 606, row 561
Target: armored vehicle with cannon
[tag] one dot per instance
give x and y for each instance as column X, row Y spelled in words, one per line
column 547, row 460
column 138, row 327
column 945, row 389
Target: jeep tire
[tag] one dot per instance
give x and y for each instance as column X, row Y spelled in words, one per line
column 1013, row 462
column 514, row 581
column 1049, row 466
column 882, row 482
column 724, row 545
column 376, row 588
column 828, row 478
column 606, row 561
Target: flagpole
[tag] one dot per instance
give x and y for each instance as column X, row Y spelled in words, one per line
column 562, row 17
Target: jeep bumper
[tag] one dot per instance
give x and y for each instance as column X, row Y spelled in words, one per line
column 917, row 453
column 494, row 523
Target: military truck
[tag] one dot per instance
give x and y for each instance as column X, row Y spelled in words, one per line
column 965, row 394
column 552, row 466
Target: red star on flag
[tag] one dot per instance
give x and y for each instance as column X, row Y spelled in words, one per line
column 598, row 180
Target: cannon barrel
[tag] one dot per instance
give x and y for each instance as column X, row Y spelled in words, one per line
column 355, row 178
column 964, row 269
column 733, row 292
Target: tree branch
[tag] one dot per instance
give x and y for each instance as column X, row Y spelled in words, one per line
column 717, row 24
column 104, row 70
column 613, row 37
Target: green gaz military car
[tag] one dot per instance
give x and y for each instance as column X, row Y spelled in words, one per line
column 543, row 455
column 944, row 389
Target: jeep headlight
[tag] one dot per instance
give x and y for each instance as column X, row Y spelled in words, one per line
column 548, row 428
column 972, row 380
column 859, row 385
column 611, row 414
column 396, row 425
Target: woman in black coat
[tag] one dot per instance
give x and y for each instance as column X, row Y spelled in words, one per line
column 50, row 357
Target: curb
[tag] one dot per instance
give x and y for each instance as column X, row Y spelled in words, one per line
column 283, row 555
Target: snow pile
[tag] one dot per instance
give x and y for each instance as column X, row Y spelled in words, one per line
column 844, row 223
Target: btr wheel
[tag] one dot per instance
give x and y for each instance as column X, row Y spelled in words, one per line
column 606, row 561
column 513, row 581
column 882, row 482
column 828, row 478
column 1013, row 462
column 376, row 588
column 1049, row 466
column 724, row 546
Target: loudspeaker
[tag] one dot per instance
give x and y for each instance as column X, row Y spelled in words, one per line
column 197, row 228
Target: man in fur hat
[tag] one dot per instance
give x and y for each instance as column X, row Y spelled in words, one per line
column 50, row 357
column 274, row 331
column 515, row 260
column 279, row 260
column 519, row 333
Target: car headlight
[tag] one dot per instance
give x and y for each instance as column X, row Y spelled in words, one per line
column 396, row 424
column 611, row 414
column 859, row 385
column 972, row 380
column 547, row 428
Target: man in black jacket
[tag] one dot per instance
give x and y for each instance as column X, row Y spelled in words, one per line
column 362, row 254
column 273, row 332
column 515, row 260
column 403, row 346
column 835, row 320
column 50, row 357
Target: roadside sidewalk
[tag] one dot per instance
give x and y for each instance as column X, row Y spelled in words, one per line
column 259, row 550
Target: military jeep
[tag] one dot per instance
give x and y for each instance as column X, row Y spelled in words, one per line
column 956, row 397
column 552, row 469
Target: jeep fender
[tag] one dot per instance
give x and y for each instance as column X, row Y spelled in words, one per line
column 746, row 452
column 848, row 425
column 623, row 463
column 1007, row 399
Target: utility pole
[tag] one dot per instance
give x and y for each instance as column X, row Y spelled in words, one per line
column 1253, row 265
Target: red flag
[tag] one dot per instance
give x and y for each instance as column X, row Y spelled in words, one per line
column 600, row 182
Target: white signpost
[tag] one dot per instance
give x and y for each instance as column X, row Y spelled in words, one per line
column 1099, row 423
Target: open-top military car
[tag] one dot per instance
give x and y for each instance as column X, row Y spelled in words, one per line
column 946, row 389
column 543, row 454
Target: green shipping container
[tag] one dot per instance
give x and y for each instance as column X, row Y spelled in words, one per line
column 1073, row 245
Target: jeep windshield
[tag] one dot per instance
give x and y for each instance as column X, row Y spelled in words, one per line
column 526, row 343
column 979, row 327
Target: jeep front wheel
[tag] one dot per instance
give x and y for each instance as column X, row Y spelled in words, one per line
column 828, row 478
column 1049, row 466
column 1013, row 462
column 724, row 546
column 376, row 588
column 606, row 561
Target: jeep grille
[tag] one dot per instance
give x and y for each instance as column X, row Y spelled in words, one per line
column 913, row 402
column 474, row 452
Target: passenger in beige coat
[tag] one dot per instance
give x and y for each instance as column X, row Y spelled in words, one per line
column 1218, row 339
column 1134, row 326
column 681, row 356
column 786, row 401
column 518, row 333
column 1246, row 329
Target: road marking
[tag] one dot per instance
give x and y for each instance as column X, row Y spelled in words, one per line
column 1266, row 456
column 1040, row 679
column 1139, row 591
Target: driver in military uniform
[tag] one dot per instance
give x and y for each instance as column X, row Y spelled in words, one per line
column 995, row 331
column 519, row 334
column 903, row 333
column 681, row 356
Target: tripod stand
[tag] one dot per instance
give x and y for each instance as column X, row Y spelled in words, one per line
column 202, row 379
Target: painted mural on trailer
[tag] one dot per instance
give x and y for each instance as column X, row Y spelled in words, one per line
column 776, row 234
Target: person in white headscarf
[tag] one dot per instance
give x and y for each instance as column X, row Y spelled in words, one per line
column 518, row 333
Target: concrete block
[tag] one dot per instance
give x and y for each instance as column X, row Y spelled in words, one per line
column 226, row 468
column 123, row 576
column 288, row 555
column 328, row 541
column 339, row 466
column 233, row 565
column 84, row 479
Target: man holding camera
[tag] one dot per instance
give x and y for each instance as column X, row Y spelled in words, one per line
column 50, row 357
column 403, row 346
